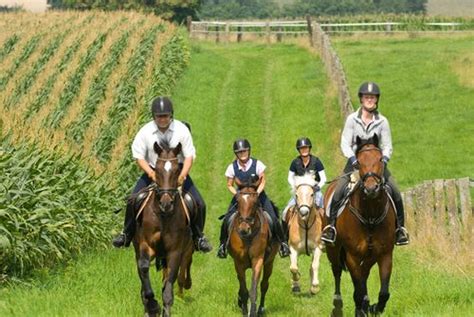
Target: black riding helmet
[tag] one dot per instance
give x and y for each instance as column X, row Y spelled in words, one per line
column 369, row 88
column 162, row 106
column 302, row 142
column 241, row 145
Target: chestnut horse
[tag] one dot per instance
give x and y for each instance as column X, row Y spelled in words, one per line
column 365, row 232
column 304, row 228
column 163, row 233
column 251, row 247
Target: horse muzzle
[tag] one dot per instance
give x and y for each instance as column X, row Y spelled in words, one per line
column 303, row 211
column 372, row 191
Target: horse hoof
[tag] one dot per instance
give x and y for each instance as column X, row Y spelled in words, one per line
column 373, row 311
column 296, row 289
column 261, row 311
column 336, row 312
column 314, row 289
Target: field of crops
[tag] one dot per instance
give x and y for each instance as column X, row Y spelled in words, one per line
column 73, row 89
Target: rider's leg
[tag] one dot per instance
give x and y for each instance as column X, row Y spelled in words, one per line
column 198, row 221
column 401, row 235
column 129, row 225
column 278, row 230
column 329, row 232
column 224, row 236
column 284, row 224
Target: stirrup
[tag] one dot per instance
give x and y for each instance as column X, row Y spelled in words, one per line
column 284, row 249
column 326, row 239
column 405, row 238
column 222, row 252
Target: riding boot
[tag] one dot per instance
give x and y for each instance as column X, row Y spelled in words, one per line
column 281, row 237
column 329, row 232
column 129, row 226
column 401, row 234
column 200, row 241
column 222, row 251
column 284, row 226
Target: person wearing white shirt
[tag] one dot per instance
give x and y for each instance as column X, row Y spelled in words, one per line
column 165, row 128
column 246, row 168
column 364, row 123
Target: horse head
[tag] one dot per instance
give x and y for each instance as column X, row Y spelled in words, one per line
column 167, row 171
column 304, row 194
column 371, row 167
column 247, row 207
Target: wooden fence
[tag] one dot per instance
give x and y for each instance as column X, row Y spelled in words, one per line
column 446, row 202
column 320, row 40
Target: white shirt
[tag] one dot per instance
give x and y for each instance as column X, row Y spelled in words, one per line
column 177, row 132
column 229, row 172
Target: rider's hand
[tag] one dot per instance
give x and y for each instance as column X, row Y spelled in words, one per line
column 354, row 162
column 385, row 160
column 152, row 176
column 181, row 179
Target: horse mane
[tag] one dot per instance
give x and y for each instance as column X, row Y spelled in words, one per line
column 307, row 178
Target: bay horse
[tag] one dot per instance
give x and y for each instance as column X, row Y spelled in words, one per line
column 163, row 233
column 251, row 247
column 304, row 227
column 365, row 232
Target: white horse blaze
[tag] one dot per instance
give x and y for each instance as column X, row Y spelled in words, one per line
column 168, row 166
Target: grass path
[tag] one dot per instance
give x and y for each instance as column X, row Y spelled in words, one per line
column 271, row 95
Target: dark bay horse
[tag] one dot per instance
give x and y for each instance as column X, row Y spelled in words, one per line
column 163, row 233
column 251, row 247
column 365, row 232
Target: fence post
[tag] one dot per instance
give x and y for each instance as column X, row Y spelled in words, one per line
column 279, row 34
column 388, row 27
column 189, row 21
column 239, row 34
column 464, row 200
column 227, row 35
column 440, row 206
column 267, row 29
column 310, row 30
column 450, row 187
column 217, row 34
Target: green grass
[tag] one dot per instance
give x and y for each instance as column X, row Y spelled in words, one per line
column 429, row 110
column 271, row 95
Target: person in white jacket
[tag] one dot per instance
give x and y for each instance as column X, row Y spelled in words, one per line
column 305, row 163
column 364, row 123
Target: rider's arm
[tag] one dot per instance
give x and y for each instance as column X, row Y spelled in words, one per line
column 322, row 177
column 346, row 138
column 291, row 179
column 261, row 186
column 188, row 162
column 146, row 168
column 386, row 140
column 230, row 186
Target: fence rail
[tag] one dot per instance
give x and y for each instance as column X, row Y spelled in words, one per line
column 446, row 201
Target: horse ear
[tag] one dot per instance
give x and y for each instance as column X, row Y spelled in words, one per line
column 375, row 139
column 157, row 148
column 177, row 149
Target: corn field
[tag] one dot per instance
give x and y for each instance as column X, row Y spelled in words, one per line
column 75, row 87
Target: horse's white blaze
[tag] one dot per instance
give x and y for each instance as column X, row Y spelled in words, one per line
column 245, row 197
column 168, row 166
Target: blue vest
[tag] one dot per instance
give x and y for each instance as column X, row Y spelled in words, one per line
column 245, row 176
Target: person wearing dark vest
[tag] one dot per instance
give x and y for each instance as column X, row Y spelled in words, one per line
column 305, row 164
column 164, row 127
column 245, row 168
column 364, row 123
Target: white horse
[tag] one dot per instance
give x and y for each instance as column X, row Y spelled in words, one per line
column 304, row 221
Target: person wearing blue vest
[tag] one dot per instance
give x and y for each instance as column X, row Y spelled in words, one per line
column 245, row 168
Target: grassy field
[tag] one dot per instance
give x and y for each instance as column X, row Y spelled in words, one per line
column 427, row 95
column 271, row 95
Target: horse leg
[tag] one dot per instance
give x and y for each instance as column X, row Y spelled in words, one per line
column 295, row 274
column 385, row 271
column 267, row 272
column 313, row 271
column 337, row 298
column 184, row 274
column 360, row 296
column 257, row 266
column 243, row 292
column 173, row 259
column 152, row 308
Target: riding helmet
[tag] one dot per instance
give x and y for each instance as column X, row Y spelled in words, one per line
column 302, row 142
column 161, row 106
column 241, row 145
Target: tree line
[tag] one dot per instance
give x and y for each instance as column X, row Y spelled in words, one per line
column 177, row 10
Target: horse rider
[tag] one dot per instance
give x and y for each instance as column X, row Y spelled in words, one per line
column 164, row 127
column 364, row 123
column 246, row 168
column 305, row 164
